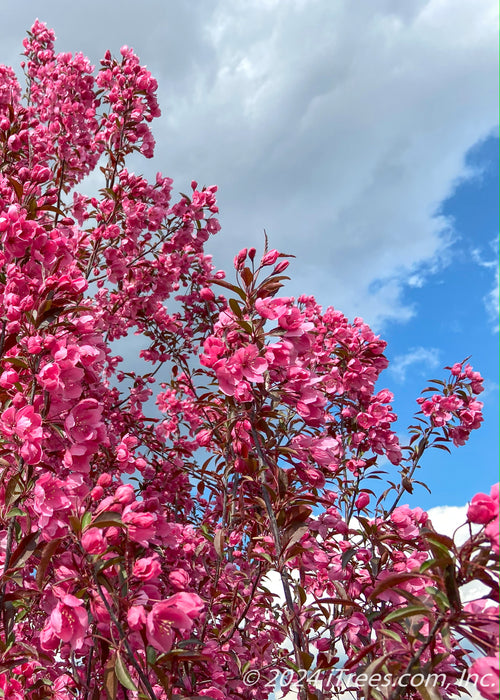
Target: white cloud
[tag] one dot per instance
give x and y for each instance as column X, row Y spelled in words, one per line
column 450, row 520
column 491, row 300
column 447, row 519
column 428, row 358
column 339, row 127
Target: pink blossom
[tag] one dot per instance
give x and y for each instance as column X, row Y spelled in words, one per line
column 272, row 308
column 93, row 541
column 179, row 578
column 159, row 627
column 190, row 603
column 49, row 376
column 178, row 612
column 8, row 378
column 62, row 687
column 482, row 509
column 213, row 693
column 136, row 617
column 83, row 421
column 354, row 627
column 50, row 496
column 270, row 257
column 362, row 500
column 125, row 494
column 147, row 568
column 141, row 526
column 11, row 688
column 213, row 349
column 247, row 361
column 484, row 673
column 49, row 640
column 70, row 621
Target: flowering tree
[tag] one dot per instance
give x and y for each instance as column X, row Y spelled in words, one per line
column 137, row 553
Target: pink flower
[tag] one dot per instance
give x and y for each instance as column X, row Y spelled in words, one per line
column 482, row 509
column 176, row 613
column 213, row 349
column 179, row 578
column 353, row 627
column 484, row 673
column 362, row 500
column 248, row 362
column 8, row 378
column 141, row 526
column 49, row 495
column 93, row 541
column 190, row 603
column 203, row 437
column 27, row 425
column 227, row 376
column 160, row 625
column 147, row 568
column 213, row 693
column 404, row 520
column 83, row 421
column 49, row 640
column 49, row 376
column 11, row 688
column 492, row 530
column 70, row 621
column 62, row 687
column 270, row 257
column 136, row 617
column 125, row 494
column 240, row 258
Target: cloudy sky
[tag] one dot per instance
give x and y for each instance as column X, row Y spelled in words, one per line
column 362, row 136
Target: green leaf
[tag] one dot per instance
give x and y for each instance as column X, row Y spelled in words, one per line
column 86, row 520
column 13, row 512
column 108, row 519
column 151, row 655
column 347, row 556
column 409, row 611
column 110, row 682
column 123, row 675
column 219, row 542
column 306, row 659
column 17, row 187
column 232, row 287
column 15, row 362
column 24, row 550
column 392, row 635
column 12, row 487
column 47, row 554
column 235, row 307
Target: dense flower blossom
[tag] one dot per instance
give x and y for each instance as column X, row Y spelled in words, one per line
column 137, row 550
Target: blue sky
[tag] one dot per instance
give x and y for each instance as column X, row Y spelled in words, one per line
column 359, row 135
column 453, row 320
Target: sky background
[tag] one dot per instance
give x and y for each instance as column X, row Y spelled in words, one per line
column 362, row 136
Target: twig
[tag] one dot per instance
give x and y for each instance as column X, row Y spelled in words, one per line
column 396, row 693
column 123, row 637
column 298, row 640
